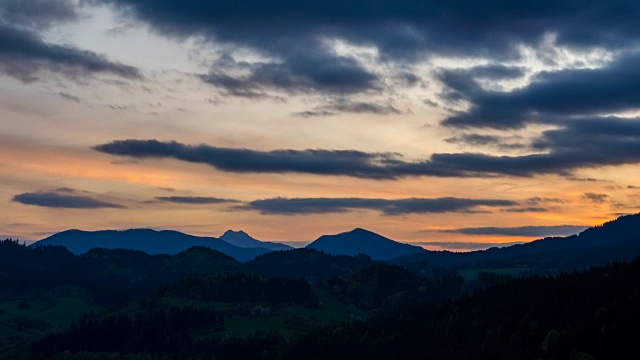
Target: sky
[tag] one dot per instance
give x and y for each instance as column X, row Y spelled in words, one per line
column 454, row 125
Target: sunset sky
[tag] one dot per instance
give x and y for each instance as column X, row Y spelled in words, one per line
column 449, row 124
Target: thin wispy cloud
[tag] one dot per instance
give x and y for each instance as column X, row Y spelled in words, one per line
column 194, row 200
column 63, row 199
column 524, row 231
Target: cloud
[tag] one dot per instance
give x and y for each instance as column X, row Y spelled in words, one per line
column 62, row 199
column 399, row 30
column 313, row 70
column 596, row 198
column 526, row 209
column 69, row 97
column 195, row 200
column 291, row 37
column 39, row 13
column 495, row 72
column 577, row 144
column 550, row 97
column 299, row 206
column 466, row 245
column 321, row 162
column 524, row 231
column 537, row 200
column 499, row 142
column 295, row 49
column 352, row 107
column 24, row 55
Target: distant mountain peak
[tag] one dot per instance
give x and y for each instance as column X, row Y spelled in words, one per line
column 235, row 233
column 242, row 239
column 361, row 230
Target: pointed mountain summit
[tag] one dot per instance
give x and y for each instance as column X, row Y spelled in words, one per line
column 243, row 240
column 361, row 241
column 147, row 240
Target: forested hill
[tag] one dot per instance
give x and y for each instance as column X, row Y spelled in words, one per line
column 577, row 315
column 108, row 275
column 617, row 240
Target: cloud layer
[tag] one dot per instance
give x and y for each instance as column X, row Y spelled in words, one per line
column 550, row 97
column 194, row 200
column 524, row 231
column 62, row 199
column 292, row 39
column 298, row 206
column 24, row 55
column 579, row 144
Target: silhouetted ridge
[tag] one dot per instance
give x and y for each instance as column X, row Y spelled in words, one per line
column 361, row 241
column 616, row 240
column 244, row 240
column 147, row 240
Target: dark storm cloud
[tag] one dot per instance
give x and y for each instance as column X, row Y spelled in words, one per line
column 195, row 200
column 579, row 144
column 62, row 199
column 351, row 107
column 528, row 231
column 23, row 55
column 549, row 97
column 299, row 206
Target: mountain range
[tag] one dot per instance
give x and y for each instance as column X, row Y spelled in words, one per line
column 147, row 240
column 615, row 240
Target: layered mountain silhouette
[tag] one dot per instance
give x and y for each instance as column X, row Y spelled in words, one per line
column 243, row 240
column 361, row 241
column 147, row 240
column 617, row 240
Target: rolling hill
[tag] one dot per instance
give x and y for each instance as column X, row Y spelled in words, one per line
column 361, row 241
